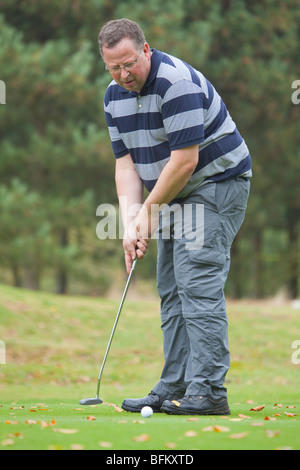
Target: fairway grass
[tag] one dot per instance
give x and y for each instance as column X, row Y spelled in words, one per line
column 54, row 349
column 67, row 426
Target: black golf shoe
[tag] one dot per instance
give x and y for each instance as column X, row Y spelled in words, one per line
column 136, row 404
column 195, row 405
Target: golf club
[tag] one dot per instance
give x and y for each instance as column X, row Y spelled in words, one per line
column 97, row 400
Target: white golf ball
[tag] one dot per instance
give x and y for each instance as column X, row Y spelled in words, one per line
column 146, row 412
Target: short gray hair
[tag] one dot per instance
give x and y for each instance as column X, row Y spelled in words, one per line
column 116, row 30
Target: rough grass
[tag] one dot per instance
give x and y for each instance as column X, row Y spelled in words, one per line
column 54, row 349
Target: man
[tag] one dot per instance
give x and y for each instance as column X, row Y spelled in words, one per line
column 171, row 132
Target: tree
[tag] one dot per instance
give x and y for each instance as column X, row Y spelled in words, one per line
column 52, row 138
column 54, row 142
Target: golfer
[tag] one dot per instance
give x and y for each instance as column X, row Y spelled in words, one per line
column 172, row 134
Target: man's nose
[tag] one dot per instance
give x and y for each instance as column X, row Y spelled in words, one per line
column 124, row 73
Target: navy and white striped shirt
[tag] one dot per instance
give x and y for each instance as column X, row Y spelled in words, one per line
column 177, row 108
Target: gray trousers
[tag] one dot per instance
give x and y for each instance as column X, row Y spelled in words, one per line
column 192, row 268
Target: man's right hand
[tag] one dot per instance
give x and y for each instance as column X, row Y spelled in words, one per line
column 133, row 248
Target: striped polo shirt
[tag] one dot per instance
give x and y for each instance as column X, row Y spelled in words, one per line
column 177, row 108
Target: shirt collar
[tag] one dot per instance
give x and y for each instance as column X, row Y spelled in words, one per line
column 155, row 62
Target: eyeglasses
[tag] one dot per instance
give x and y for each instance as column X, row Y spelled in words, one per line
column 128, row 66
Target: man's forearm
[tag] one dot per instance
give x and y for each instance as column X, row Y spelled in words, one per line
column 130, row 191
column 172, row 180
column 130, row 194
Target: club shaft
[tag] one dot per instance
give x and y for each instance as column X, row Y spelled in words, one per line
column 115, row 325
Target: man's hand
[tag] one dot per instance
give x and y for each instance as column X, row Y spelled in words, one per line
column 146, row 222
column 139, row 232
column 132, row 249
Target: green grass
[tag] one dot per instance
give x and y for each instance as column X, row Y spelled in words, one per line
column 54, row 349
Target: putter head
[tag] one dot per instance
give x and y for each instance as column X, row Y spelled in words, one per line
column 90, row 401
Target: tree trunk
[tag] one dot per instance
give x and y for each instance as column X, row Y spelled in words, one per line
column 62, row 276
column 293, row 258
column 258, row 267
column 17, row 278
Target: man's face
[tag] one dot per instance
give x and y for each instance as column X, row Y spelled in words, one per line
column 125, row 52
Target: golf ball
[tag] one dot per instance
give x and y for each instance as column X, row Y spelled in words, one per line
column 146, row 412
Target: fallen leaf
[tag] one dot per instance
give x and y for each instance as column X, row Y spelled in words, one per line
column 240, row 435
column 176, row 403
column 170, row 445
column 278, row 405
column 270, row 433
column 116, row 407
column 193, row 419
column 11, row 422
column 141, row 438
column 66, row 431
column 7, row 442
column 235, row 419
column 208, row 428
column 283, row 448
column 105, row 444
column 258, row 408
column 244, row 416
column 292, row 406
column 46, row 424
column 290, row 414
column 257, row 424
column 220, row 429
column 191, row 434
column 268, row 418
column 91, row 418
column 31, row 421
column 77, row 447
